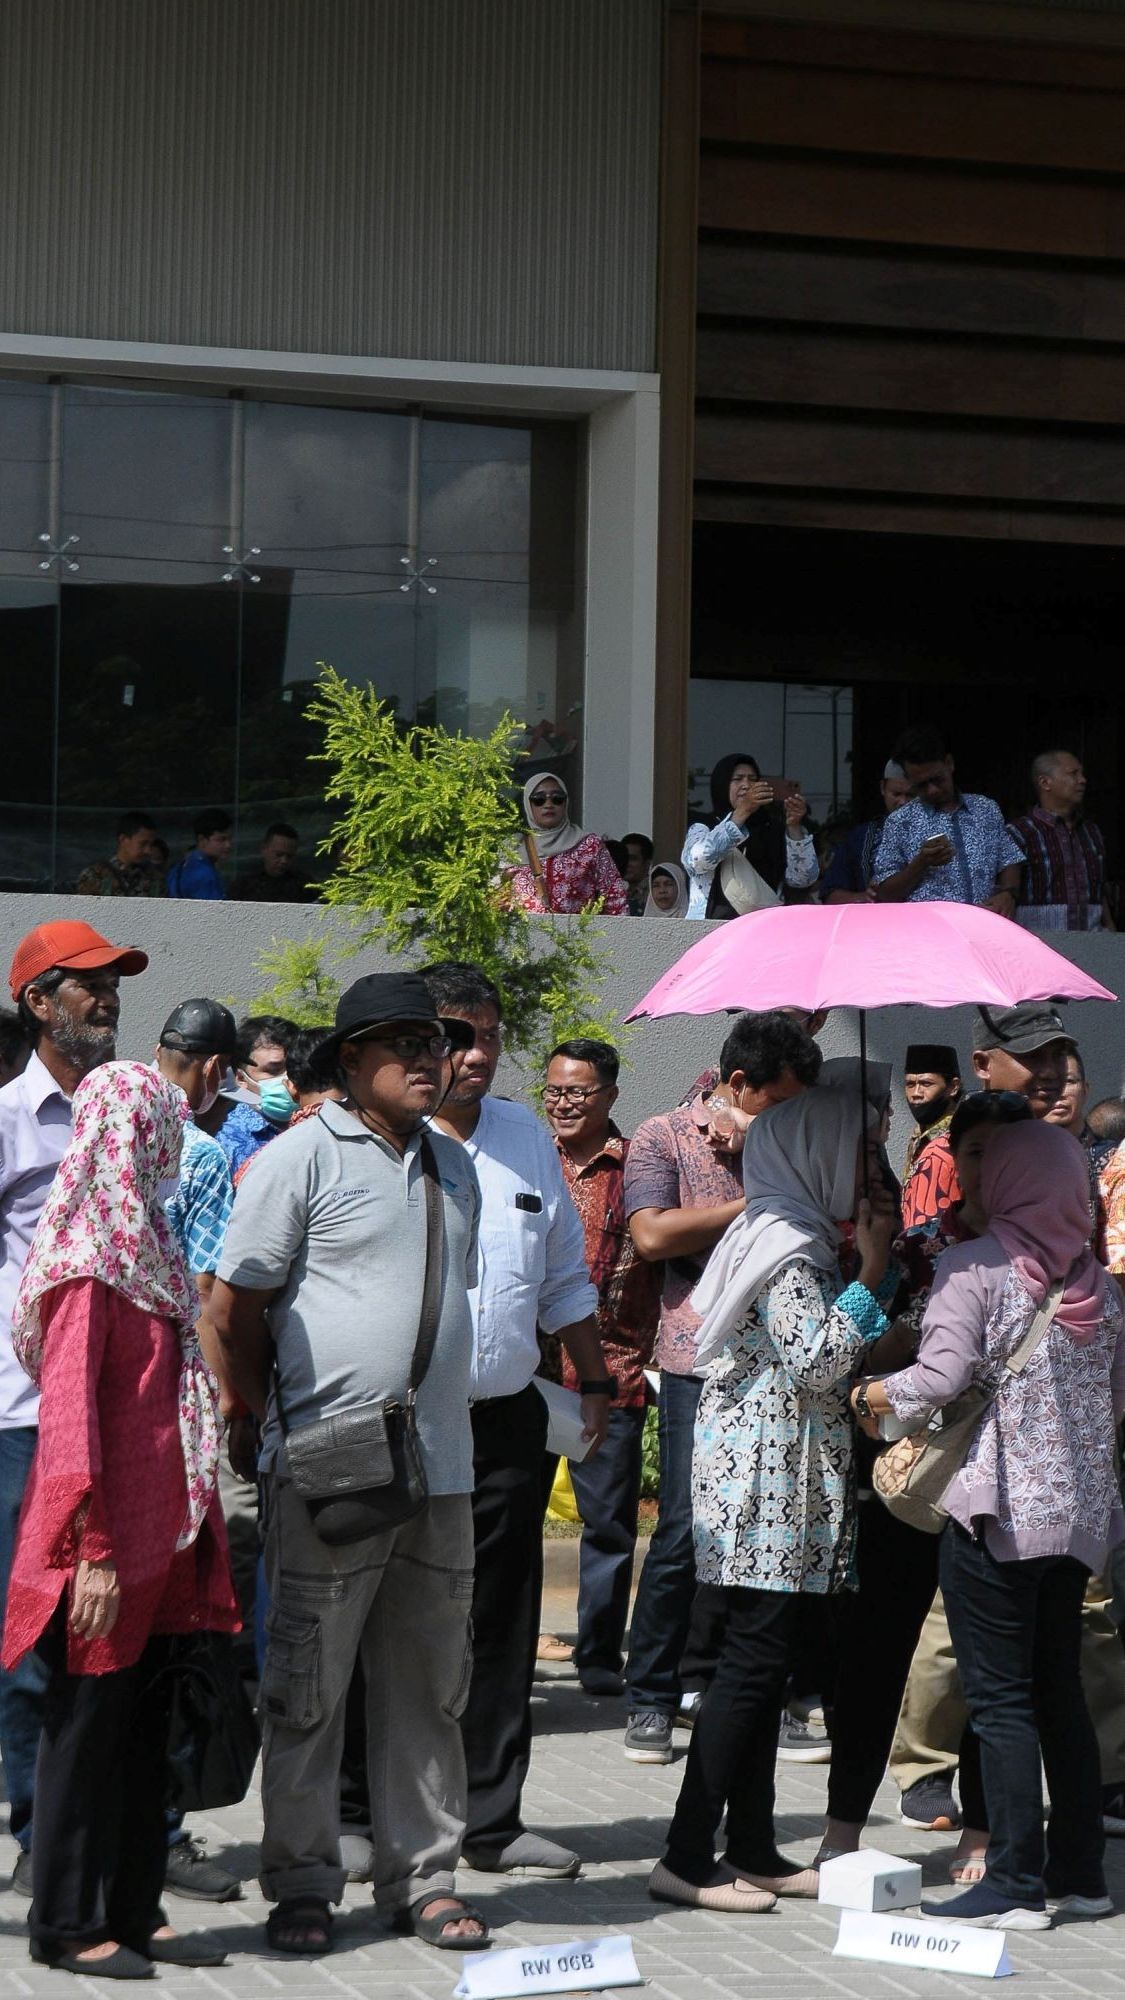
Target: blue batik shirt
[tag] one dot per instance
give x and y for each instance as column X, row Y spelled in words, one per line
column 200, row 1207
column 982, row 846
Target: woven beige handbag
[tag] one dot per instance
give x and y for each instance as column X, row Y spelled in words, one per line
column 913, row 1475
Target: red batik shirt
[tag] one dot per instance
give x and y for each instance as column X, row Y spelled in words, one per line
column 628, row 1288
column 931, row 1184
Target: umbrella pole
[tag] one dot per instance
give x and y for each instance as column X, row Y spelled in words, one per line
column 863, row 1098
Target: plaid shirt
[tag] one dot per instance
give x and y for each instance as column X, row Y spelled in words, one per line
column 628, row 1288
column 1064, row 871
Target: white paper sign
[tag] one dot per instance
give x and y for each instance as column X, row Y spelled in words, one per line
column 577, row 1967
column 564, row 1421
column 936, row 1946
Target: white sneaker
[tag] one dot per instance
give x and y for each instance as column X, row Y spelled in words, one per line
column 797, row 1743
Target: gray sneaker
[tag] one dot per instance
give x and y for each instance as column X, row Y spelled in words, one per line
column 797, row 1743
column 648, row 1737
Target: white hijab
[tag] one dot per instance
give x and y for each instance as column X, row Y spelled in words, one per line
column 673, row 869
column 550, row 840
column 799, row 1170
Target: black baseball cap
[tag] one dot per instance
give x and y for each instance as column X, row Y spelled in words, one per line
column 200, row 1028
column 1021, row 1030
column 383, row 997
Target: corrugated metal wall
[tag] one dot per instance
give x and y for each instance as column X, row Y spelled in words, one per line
column 469, row 180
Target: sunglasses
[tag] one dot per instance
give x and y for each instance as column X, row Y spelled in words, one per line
column 548, row 798
column 572, row 1093
column 407, row 1048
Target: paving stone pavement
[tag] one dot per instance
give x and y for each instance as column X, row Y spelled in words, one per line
column 584, row 1792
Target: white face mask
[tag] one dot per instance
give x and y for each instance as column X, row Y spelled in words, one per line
column 209, row 1098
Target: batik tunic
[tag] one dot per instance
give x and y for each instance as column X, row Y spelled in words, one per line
column 772, row 1468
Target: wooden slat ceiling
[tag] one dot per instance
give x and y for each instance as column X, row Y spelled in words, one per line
column 911, row 295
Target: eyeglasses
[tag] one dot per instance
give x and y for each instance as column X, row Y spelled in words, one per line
column 409, row 1047
column 572, row 1093
column 548, row 798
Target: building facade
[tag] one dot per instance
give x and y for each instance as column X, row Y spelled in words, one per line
column 327, row 332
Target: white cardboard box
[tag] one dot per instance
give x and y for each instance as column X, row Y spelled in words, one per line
column 870, row 1880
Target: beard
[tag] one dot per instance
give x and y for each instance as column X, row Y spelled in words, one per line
column 81, row 1042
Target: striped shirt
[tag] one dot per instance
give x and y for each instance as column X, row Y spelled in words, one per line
column 1064, row 871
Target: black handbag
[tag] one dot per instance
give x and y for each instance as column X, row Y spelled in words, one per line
column 213, row 1735
column 361, row 1473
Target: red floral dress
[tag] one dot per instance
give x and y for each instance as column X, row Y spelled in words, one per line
column 576, row 880
column 108, row 1485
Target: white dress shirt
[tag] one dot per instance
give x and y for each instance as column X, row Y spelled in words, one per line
column 532, row 1250
column 35, row 1120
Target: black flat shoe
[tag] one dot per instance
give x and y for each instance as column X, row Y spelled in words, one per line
column 196, row 1948
column 121, row 1964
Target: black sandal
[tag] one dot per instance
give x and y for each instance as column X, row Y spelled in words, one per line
column 431, row 1930
column 309, row 1915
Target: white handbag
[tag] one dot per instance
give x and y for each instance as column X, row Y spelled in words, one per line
column 743, row 887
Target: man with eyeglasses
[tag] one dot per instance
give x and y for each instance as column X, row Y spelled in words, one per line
column 533, row 1275
column 322, row 1276
column 578, row 1098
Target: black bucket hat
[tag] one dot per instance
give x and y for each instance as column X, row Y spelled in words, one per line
column 382, row 997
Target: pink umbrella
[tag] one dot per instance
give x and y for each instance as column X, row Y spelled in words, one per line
column 867, row 955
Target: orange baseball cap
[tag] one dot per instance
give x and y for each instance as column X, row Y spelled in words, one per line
column 76, row 947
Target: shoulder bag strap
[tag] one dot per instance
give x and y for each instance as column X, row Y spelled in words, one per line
column 435, row 1258
column 536, row 866
column 1040, row 1326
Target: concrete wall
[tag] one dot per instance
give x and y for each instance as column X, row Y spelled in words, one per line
column 212, row 947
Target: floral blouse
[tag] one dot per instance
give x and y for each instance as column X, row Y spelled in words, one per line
column 1039, row 1478
column 772, row 1485
column 576, row 880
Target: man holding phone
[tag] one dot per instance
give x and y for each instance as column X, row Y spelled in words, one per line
column 944, row 846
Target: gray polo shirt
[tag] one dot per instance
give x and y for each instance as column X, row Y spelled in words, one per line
column 332, row 1219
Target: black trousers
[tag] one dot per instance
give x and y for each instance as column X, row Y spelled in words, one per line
column 99, row 1845
column 509, row 1442
column 1017, row 1633
column 730, row 1763
column 878, row 1628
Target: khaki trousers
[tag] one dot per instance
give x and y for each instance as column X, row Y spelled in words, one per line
column 400, row 1603
column 933, row 1712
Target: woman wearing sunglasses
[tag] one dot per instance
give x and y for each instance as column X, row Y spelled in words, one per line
column 565, row 870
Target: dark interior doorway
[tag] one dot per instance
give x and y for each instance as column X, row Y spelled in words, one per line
column 1010, row 647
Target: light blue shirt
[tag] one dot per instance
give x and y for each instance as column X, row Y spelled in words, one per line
column 35, row 1120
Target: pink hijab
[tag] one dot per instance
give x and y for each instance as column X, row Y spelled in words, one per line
column 1035, row 1185
column 103, row 1219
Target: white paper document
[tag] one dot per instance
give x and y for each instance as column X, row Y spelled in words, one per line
column 578, row 1967
column 923, row 1941
column 564, row 1421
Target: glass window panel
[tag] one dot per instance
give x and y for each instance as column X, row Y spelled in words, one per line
column 326, row 488
column 148, row 707
column 28, row 615
column 25, row 453
column 475, row 494
column 147, row 474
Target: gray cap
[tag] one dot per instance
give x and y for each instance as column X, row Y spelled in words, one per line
column 200, row 1028
column 1021, row 1030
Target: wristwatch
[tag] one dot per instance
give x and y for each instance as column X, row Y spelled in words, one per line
column 862, row 1406
column 605, row 1385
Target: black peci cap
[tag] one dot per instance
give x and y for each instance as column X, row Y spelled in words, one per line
column 200, row 1028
